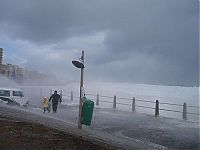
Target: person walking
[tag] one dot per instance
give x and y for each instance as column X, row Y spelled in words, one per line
column 46, row 104
column 55, row 98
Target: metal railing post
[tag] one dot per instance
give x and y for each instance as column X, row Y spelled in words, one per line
column 61, row 94
column 133, row 104
column 50, row 92
column 157, row 109
column 72, row 96
column 185, row 111
column 114, row 102
column 97, row 101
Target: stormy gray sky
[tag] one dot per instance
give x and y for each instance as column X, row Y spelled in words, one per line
column 137, row 41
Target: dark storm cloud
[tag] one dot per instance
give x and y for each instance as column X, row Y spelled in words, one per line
column 148, row 41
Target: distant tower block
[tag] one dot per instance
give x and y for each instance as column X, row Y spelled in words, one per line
column 1, row 56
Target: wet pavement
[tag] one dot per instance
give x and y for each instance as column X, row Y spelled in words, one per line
column 124, row 129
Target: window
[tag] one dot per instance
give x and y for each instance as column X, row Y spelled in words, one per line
column 5, row 93
column 17, row 93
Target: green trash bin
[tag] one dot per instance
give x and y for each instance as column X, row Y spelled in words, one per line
column 87, row 112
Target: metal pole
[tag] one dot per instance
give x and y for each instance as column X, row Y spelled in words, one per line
column 61, row 94
column 97, row 102
column 157, row 109
column 72, row 96
column 50, row 92
column 81, row 87
column 114, row 102
column 185, row 111
column 133, row 105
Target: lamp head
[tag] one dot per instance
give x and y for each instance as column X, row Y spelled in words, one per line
column 78, row 64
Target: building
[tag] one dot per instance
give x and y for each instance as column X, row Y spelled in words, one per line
column 1, row 56
column 11, row 71
column 16, row 72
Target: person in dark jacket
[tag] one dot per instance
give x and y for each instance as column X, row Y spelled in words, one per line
column 55, row 98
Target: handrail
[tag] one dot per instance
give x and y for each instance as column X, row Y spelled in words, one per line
column 171, row 110
column 140, row 100
column 125, row 98
column 124, row 104
column 105, row 101
column 90, row 94
column 170, row 104
column 145, row 101
column 193, row 106
column 144, row 106
column 106, row 96
column 164, row 103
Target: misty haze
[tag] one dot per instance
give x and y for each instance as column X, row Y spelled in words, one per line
column 99, row 74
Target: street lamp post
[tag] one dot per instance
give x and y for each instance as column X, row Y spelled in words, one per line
column 80, row 64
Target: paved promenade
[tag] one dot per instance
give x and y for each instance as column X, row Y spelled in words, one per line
column 122, row 129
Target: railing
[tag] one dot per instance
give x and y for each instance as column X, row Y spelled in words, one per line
column 134, row 104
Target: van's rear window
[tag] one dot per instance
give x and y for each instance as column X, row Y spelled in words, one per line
column 4, row 93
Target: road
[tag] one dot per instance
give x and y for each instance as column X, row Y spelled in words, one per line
column 123, row 129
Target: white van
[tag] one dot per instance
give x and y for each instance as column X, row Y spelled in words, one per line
column 12, row 96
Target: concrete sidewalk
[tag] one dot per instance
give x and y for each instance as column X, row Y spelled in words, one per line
column 121, row 129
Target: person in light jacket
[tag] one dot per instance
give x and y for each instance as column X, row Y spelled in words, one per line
column 46, row 104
